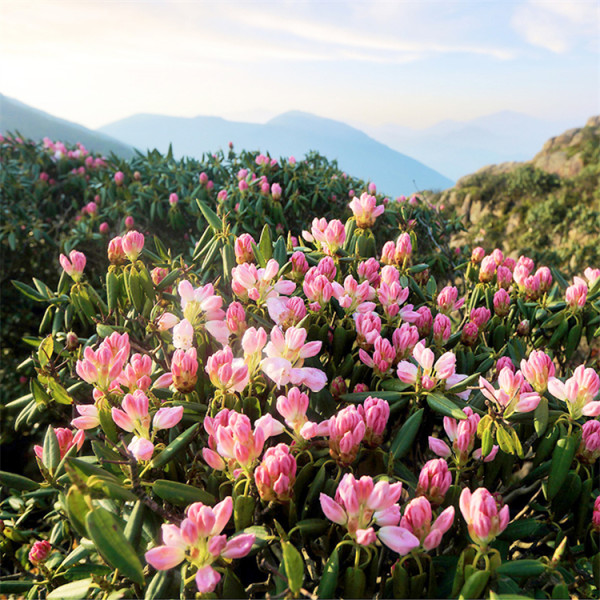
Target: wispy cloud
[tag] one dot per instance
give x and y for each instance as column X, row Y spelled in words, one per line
column 558, row 26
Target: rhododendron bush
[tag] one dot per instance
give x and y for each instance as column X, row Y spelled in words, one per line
column 314, row 414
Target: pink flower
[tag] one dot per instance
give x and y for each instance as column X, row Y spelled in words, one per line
column 116, row 254
column 317, row 289
column 119, row 178
column 365, row 210
column 596, row 515
column 477, row 255
column 136, row 375
column 576, row 295
column 227, row 373
column 537, row 369
column 589, row 448
column 511, row 395
column 183, row 333
column 276, row 191
column 447, row 300
column 425, row 321
column 368, row 270
column 404, row 340
column 248, row 282
column 504, row 277
column 89, row 417
column 434, row 480
column 39, row 552
column 487, row 269
column 133, row 243
column 501, row 302
column 403, row 249
column 382, row 358
column 484, row 516
column 375, row 413
column 469, row 334
column 103, row 366
column 66, row 440
column 360, row 504
column 442, row 329
column 200, row 538
column 244, row 253
column 73, row 265
column 346, row 431
column 299, row 265
column 276, row 474
column 184, row 368
column 293, row 408
column 480, row 316
column 417, row 519
column 354, row 297
column 286, row 312
column 330, row 235
column 578, row 392
column 285, row 359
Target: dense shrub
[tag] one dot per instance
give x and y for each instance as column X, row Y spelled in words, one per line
column 318, row 416
column 56, row 198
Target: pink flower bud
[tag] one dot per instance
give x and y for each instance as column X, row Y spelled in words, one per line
column 537, row 369
column 276, row 191
column 129, row 222
column 276, row 474
column 523, row 328
column 104, row 228
column 596, row 515
column 116, row 254
column 346, row 432
column 485, row 519
column 545, row 278
column 434, row 480
column 442, row 329
column 338, row 387
column 589, row 448
column 576, row 296
column 480, row 316
column 375, row 413
column 360, row 387
column 74, row 264
column 403, row 249
column 501, row 302
column 203, row 178
column 469, row 334
column 133, row 243
column 425, row 321
column 244, row 252
column 119, row 178
column 477, row 255
column 39, row 552
column 503, row 362
column 173, row 199
column 487, row 269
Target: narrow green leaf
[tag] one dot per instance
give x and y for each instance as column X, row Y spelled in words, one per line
column 112, row 544
column 406, row 436
column 294, row 566
column 51, row 450
column 444, row 406
column 181, row 494
column 562, row 457
column 329, row 579
column 210, row 215
column 179, row 444
column 71, row 591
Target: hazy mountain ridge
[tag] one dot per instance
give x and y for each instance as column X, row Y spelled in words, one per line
column 460, row 147
column 37, row 124
column 547, row 207
column 293, row 133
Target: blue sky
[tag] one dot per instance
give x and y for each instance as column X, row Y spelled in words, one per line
column 411, row 63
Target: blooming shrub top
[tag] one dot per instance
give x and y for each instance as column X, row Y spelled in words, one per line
column 369, row 434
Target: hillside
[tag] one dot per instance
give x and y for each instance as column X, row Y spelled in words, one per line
column 547, row 207
column 36, row 124
column 293, row 133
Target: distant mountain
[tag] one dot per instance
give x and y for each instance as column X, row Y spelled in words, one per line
column 547, row 208
column 292, row 133
column 36, row 124
column 460, row 147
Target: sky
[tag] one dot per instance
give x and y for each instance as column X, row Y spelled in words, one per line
column 412, row 63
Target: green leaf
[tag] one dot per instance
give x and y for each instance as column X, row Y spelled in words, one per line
column 59, row 393
column 444, row 406
column 17, row 482
column 474, row 586
column 51, row 450
column 28, row 291
column 265, row 243
column 329, row 579
column 562, row 457
column 71, row 591
column 243, row 511
column 210, row 215
column 45, row 351
column 179, row 444
column 112, row 544
column 504, row 440
column 181, row 494
column 406, row 436
column 521, row 568
column 294, row 567
column 157, row 586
